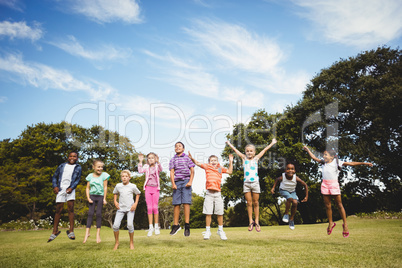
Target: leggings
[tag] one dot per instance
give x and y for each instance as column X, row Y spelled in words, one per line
column 98, row 202
column 152, row 199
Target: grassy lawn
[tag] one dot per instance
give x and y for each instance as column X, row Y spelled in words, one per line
column 372, row 243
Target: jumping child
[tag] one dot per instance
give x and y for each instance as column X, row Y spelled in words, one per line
column 251, row 186
column 65, row 180
column 330, row 186
column 151, row 188
column 213, row 202
column 287, row 189
column 96, row 194
column 126, row 205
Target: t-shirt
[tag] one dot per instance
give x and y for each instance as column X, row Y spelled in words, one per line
column 126, row 192
column 288, row 185
column 213, row 176
column 181, row 165
column 250, row 170
column 330, row 171
column 96, row 183
column 66, row 177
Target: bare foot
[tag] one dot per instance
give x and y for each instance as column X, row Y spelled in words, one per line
column 116, row 246
column 85, row 239
column 131, row 245
column 98, row 239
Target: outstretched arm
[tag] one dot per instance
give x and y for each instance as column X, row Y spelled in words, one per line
column 305, row 188
column 279, row 179
column 242, row 156
column 265, row 149
column 357, row 164
column 194, row 161
column 230, row 169
column 311, row 154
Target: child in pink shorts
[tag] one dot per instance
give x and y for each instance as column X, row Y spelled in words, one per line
column 330, row 186
column 152, row 188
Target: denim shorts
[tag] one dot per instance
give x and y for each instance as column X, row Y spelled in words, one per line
column 288, row 195
column 182, row 195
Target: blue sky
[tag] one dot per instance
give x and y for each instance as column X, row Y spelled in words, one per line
column 162, row 71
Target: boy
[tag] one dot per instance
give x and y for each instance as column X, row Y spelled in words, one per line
column 126, row 205
column 287, row 189
column 64, row 181
column 213, row 198
column 181, row 175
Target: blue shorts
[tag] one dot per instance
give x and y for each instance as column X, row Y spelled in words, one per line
column 182, row 195
column 288, row 195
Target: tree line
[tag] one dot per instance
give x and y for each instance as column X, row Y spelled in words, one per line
column 352, row 106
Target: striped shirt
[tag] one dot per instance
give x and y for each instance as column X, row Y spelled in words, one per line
column 181, row 165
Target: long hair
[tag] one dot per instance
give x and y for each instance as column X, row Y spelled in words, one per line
column 333, row 153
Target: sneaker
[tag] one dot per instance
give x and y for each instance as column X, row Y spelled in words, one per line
column 186, row 229
column 291, row 225
column 175, row 229
column 150, row 232
column 207, row 235
column 157, row 231
column 285, row 218
column 222, row 235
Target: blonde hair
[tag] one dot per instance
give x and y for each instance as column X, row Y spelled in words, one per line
column 249, row 145
column 126, row 171
column 96, row 161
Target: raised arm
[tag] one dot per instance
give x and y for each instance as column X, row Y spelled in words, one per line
column 305, row 188
column 311, row 154
column 279, row 179
column 194, row 161
column 258, row 156
column 242, row 156
column 357, row 164
column 230, row 169
column 140, row 159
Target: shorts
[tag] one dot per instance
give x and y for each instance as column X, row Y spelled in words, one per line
column 288, row 194
column 253, row 187
column 213, row 203
column 330, row 187
column 63, row 197
column 182, row 195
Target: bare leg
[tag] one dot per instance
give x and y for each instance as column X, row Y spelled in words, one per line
column 150, row 219
column 256, row 205
column 131, row 240
column 249, row 207
column 220, row 220
column 156, row 218
column 328, row 209
column 342, row 211
column 70, row 206
column 86, row 235
column 98, row 239
column 57, row 216
column 176, row 214
column 208, row 219
column 288, row 203
column 186, row 213
column 294, row 209
column 116, row 239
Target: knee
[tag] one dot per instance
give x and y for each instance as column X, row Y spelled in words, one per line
column 256, row 203
column 130, row 228
column 115, row 228
column 294, row 202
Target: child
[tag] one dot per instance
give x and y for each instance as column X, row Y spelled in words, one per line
column 126, row 205
column 96, row 194
column 213, row 198
column 65, row 180
column 152, row 188
column 287, row 189
column 181, row 174
column 330, row 185
column 251, row 186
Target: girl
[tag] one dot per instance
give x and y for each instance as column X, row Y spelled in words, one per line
column 152, row 188
column 251, row 186
column 330, row 185
column 96, row 194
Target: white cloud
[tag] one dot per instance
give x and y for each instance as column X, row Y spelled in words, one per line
column 45, row 77
column 359, row 23
column 13, row 4
column 3, row 99
column 106, row 52
column 21, row 30
column 247, row 98
column 105, row 11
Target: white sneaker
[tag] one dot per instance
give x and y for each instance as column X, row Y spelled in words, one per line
column 285, row 218
column 207, row 235
column 222, row 235
column 157, row 231
column 150, row 232
column 292, row 225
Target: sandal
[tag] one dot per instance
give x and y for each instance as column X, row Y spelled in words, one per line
column 251, row 226
column 53, row 236
column 329, row 231
column 257, row 227
column 70, row 235
column 345, row 234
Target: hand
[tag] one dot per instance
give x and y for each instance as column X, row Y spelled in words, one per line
column 140, row 157
column 188, row 184
column 370, row 164
column 117, row 205
column 104, row 201
column 174, row 187
column 230, row 157
column 157, row 158
column 305, row 148
column 274, row 141
column 305, row 199
column 90, row 200
column 133, row 207
column 69, row 190
column 272, row 191
column 228, row 143
column 56, row 190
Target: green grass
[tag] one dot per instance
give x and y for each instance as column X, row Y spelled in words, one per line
column 372, row 243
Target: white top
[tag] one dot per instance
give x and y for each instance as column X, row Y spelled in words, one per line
column 288, row 185
column 250, row 170
column 330, row 171
column 126, row 192
column 66, row 177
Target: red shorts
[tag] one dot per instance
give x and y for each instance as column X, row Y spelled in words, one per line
column 330, row 187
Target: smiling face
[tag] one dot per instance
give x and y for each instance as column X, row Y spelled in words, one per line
column 213, row 160
column 72, row 158
column 290, row 171
column 125, row 178
column 151, row 159
column 250, row 151
column 98, row 167
column 328, row 157
column 179, row 148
